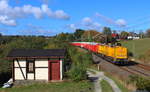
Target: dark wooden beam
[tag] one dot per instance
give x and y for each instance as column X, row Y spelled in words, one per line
column 21, row 69
column 26, row 69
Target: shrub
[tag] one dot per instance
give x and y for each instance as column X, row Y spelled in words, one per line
column 80, row 61
column 77, row 73
column 141, row 82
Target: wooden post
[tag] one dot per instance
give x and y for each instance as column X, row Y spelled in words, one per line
column 98, row 67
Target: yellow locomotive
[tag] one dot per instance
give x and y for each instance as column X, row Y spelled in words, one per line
column 116, row 54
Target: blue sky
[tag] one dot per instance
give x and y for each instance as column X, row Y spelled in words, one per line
column 50, row 17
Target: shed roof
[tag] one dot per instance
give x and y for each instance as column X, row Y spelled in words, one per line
column 36, row 53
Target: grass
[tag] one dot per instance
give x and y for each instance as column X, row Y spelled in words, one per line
column 137, row 47
column 105, row 86
column 92, row 71
column 118, row 82
column 83, row 86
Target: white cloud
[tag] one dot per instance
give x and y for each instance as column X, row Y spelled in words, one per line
column 60, row 14
column 121, row 22
column 72, row 26
column 118, row 22
column 88, row 22
column 6, row 21
column 37, row 12
column 85, row 23
column 13, row 13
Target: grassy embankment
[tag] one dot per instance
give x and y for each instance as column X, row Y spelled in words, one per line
column 140, row 48
column 105, row 86
column 120, row 83
column 83, row 86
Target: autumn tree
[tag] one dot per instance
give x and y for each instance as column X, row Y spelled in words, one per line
column 148, row 33
column 89, row 35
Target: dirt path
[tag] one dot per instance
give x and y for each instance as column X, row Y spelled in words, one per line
column 96, row 80
column 96, row 77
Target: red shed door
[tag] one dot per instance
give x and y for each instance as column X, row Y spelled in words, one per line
column 54, row 70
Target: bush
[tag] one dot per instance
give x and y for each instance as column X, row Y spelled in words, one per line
column 141, row 82
column 77, row 73
column 80, row 62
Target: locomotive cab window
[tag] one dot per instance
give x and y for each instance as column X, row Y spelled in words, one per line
column 30, row 66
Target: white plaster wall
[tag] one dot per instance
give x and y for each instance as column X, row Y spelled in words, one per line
column 21, row 62
column 30, row 76
column 41, row 74
column 41, row 63
column 18, row 73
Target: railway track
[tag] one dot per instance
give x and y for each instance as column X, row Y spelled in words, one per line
column 137, row 69
column 146, row 67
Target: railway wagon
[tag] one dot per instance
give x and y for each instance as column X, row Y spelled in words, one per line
column 93, row 47
column 79, row 44
column 85, row 45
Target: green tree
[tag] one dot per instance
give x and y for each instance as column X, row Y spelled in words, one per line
column 107, row 32
column 61, row 37
column 141, row 34
column 78, row 33
column 124, row 35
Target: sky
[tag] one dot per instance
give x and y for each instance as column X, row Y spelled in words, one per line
column 50, row 17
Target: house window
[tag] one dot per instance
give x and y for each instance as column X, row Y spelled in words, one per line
column 30, row 66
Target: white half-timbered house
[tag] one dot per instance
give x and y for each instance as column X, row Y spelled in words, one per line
column 34, row 64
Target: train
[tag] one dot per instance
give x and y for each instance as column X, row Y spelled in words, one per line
column 116, row 54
